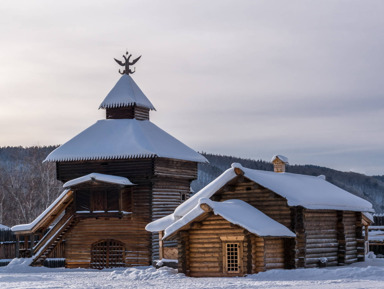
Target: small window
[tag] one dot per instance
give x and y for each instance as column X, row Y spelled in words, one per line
column 183, row 196
column 232, row 257
column 232, row 247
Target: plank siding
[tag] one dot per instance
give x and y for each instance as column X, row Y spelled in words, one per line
column 175, row 168
column 166, row 196
column 133, row 169
column 128, row 112
column 172, row 180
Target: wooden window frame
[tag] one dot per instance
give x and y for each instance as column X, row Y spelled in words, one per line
column 238, row 240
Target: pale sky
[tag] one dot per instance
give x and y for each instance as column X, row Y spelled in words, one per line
column 243, row 78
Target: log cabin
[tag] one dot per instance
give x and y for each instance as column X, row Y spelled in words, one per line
column 119, row 174
column 247, row 221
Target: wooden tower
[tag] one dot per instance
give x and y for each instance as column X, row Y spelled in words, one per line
column 121, row 173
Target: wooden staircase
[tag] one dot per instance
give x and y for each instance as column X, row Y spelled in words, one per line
column 53, row 237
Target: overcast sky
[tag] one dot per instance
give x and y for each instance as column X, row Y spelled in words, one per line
column 243, row 78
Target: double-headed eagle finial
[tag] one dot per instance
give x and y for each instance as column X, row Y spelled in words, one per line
column 127, row 63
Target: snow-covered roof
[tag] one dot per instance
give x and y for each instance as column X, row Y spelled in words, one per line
column 299, row 190
column 236, row 212
column 369, row 216
column 122, row 139
column 280, row 157
column 4, row 228
column 30, row 226
column 160, row 224
column 98, row 177
column 126, row 93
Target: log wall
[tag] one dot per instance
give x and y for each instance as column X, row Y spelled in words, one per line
column 349, row 221
column 127, row 230
column 261, row 198
column 274, row 253
column 321, row 237
column 258, row 254
column 204, row 252
column 160, row 186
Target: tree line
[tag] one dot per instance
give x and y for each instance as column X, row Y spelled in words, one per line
column 28, row 186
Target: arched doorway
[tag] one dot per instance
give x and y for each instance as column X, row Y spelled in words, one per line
column 107, row 254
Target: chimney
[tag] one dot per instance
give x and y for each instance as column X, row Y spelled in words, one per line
column 279, row 163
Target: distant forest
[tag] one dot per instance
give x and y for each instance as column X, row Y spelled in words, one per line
column 28, row 186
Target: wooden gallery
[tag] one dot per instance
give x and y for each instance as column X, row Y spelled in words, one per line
column 126, row 203
column 119, row 174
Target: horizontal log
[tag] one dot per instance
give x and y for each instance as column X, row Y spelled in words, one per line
column 274, row 266
column 316, row 260
column 322, row 245
column 321, row 250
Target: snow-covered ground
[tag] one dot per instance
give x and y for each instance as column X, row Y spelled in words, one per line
column 17, row 274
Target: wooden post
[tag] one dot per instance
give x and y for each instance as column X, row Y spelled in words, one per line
column 341, row 239
column 183, row 256
column 120, row 200
column 248, row 253
column 26, row 239
column 298, row 226
column 359, row 237
column 32, row 243
column 161, row 245
column 17, row 247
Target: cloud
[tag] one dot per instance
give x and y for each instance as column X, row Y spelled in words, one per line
column 250, row 78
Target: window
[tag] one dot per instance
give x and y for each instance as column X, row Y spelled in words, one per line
column 97, row 199
column 183, row 197
column 232, row 254
column 232, row 257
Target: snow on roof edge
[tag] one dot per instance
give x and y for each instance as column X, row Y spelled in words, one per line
column 281, row 157
column 122, row 104
column 30, row 226
column 230, row 212
column 99, row 177
column 95, row 158
column 205, row 192
column 160, row 224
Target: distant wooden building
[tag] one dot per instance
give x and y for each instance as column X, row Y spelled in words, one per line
column 247, row 221
column 119, row 174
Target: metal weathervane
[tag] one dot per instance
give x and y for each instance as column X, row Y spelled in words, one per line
column 127, row 63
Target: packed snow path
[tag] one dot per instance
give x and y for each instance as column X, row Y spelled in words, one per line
column 367, row 275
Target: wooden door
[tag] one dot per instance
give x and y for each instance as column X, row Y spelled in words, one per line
column 107, row 254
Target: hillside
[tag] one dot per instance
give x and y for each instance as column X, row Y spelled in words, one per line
column 28, row 186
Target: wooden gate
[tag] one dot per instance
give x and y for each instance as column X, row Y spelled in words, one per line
column 107, row 254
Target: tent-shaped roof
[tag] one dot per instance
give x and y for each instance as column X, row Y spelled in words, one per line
column 126, row 93
column 299, row 190
column 100, row 178
column 122, row 139
column 237, row 212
